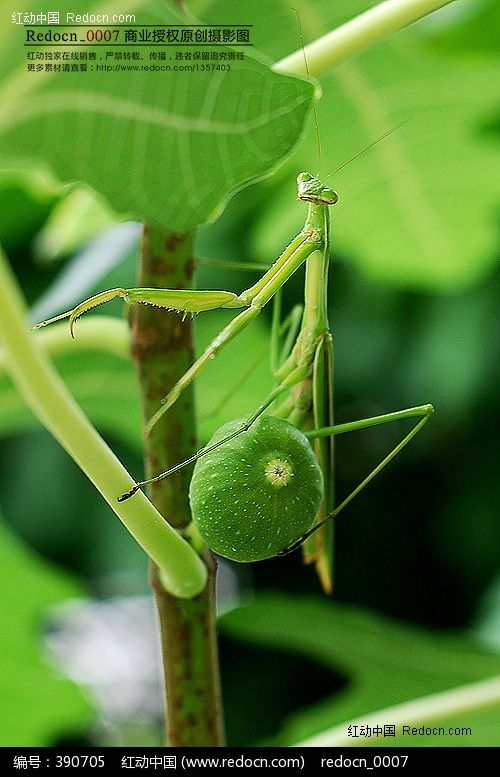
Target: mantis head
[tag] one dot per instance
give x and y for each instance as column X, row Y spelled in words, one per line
column 310, row 189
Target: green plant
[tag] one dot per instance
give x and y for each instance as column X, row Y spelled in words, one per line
column 303, row 371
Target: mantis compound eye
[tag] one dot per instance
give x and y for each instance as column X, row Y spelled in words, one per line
column 258, row 494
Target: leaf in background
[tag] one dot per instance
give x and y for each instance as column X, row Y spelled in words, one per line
column 384, row 662
column 418, row 209
column 114, row 249
column 37, row 705
column 486, row 626
column 146, row 140
column 27, row 197
column 76, row 219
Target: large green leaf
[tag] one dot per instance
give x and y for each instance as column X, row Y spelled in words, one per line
column 418, row 209
column 169, row 148
column 37, row 705
column 384, row 663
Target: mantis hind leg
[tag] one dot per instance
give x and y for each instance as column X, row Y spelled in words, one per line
column 292, row 379
column 423, row 412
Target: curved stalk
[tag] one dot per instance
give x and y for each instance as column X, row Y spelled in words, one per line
column 356, row 35
column 181, row 569
column 424, row 710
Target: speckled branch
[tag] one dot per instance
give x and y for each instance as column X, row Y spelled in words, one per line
column 162, row 346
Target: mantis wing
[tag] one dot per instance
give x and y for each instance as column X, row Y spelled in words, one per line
column 319, row 547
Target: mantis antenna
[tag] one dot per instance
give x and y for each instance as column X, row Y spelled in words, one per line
column 370, row 146
column 315, row 112
column 316, row 122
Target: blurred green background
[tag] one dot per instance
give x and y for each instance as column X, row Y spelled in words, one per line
column 416, row 318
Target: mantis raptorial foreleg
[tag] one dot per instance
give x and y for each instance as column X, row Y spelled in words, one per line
column 186, row 301
column 258, row 295
column 178, row 300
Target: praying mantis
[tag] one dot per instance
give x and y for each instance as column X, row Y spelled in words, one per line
column 303, row 394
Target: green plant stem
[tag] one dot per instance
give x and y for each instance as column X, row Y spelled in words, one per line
column 437, row 706
column 182, row 570
column 162, row 346
column 356, row 35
